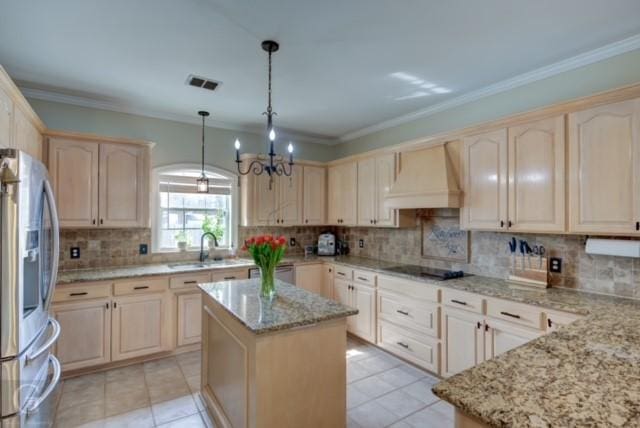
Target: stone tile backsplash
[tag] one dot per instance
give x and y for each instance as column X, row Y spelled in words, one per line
column 489, row 255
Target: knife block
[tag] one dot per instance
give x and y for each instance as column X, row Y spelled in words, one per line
column 534, row 275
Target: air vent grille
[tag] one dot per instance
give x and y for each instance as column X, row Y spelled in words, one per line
column 202, row 82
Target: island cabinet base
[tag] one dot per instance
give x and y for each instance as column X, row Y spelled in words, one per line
column 292, row 378
column 462, row 420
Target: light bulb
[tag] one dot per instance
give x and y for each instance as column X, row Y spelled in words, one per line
column 237, row 144
column 272, row 135
column 290, row 148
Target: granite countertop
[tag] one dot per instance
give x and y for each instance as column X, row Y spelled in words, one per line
column 291, row 307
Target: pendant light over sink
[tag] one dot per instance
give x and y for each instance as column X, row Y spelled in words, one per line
column 275, row 165
column 202, row 183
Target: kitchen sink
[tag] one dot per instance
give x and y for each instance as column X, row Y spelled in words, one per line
column 206, row 264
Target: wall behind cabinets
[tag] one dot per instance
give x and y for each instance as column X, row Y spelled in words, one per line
column 490, row 256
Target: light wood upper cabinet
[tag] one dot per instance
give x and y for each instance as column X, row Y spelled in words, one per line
column 604, row 169
column 343, row 190
column 85, row 338
column 6, row 120
column 26, row 136
column 536, row 176
column 140, row 325
column 290, row 201
column 463, row 340
column 123, row 185
column 73, row 167
column 264, row 200
column 100, row 184
column 367, row 207
column 484, row 166
column 385, row 177
column 314, row 195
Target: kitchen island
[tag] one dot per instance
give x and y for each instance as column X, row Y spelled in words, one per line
column 273, row 364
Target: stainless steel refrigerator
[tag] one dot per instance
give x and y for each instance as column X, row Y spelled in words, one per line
column 29, row 252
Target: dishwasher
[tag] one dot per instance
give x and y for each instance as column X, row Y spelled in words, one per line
column 283, row 273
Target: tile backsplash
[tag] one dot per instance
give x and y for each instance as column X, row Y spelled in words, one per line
column 489, row 255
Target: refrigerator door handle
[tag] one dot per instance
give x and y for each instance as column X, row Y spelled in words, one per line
column 49, row 343
column 57, row 371
column 55, row 227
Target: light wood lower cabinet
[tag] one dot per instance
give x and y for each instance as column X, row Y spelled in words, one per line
column 463, row 340
column 140, row 325
column 85, row 337
column 189, row 318
column 310, row 277
column 501, row 337
column 363, row 298
column 327, row 284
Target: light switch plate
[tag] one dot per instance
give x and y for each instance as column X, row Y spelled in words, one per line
column 75, row 252
column 555, row 265
column 361, row 243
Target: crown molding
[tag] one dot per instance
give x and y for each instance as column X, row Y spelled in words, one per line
column 617, row 48
column 89, row 102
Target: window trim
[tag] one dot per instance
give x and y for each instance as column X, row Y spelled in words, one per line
column 155, row 202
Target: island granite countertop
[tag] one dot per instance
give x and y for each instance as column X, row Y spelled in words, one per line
column 291, row 307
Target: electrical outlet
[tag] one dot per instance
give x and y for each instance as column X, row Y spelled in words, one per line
column 361, row 243
column 144, row 249
column 555, row 265
column 292, row 242
column 75, row 252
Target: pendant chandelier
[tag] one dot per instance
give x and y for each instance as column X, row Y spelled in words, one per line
column 202, row 183
column 274, row 165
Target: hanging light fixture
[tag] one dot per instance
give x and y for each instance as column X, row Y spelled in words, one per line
column 202, row 183
column 275, row 164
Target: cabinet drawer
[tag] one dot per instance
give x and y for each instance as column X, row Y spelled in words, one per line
column 529, row 316
column 189, row 280
column 92, row 290
column 364, row 277
column 556, row 320
column 138, row 286
column 344, row 272
column 421, row 316
column 227, row 275
column 421, row 350
column 411, row 289
column 465, row 301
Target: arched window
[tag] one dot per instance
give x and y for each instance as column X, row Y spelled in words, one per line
column 180, row 212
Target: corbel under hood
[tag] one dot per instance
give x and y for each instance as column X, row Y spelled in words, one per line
column 427, row 179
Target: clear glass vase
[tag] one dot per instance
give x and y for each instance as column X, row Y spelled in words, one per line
column 267, row 282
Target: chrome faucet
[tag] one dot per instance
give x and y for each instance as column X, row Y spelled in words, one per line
column 204, row 256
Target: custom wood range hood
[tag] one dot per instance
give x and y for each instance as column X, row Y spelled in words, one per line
column 427, row 179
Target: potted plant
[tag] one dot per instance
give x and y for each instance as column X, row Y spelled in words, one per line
column 267, row 251
column 182, row 240
column 214, row 225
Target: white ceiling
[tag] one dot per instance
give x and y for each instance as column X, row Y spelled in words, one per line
column 343, row 65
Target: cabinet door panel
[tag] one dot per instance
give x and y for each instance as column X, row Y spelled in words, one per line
column 290, row 198
column 310, row 277
column 536, row 176
column 85, row 339
column 327, row 287
column 463, row 341
column 349, row 186
column 265, row 196
column 26, row 136
column 385, row 177
column 73, row 167
column 502, row 337
column 334, row 200
column 603, row 162
column 314, row 195
column 189, row 318
column 6, row 120
column 139, row 325
column 367, row 192
column 484, row 165
column 123, row 185
column 364, row 299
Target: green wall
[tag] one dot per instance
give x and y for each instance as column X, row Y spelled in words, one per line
column 614, row 72
column 176, row 142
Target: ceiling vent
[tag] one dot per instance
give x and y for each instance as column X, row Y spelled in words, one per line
column 202, row 82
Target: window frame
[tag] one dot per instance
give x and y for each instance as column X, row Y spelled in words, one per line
column 156, row 208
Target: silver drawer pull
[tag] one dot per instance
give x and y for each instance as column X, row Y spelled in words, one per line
column 33, row 405
column 55, row 333
column 510, row 315
column 460, row 302
column 141, row 287
column 404, row 345
column 402, row 312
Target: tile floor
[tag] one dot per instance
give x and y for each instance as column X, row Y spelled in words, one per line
column 382, row 391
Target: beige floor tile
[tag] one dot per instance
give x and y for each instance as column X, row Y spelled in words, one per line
column 189, row 357
column 93, row 393
column 355, row 397
column 194, row 383
column 199, row 401
column 161, row 364
column 122, row 399
column 351, row 423
column 400, row 376
column 434, row 415
column 193, row 421
column 77, row 415
column 125, row 374
column 421, row 390
column 400, row 403
column 81, row 383
column 171, row 410
column 372, row 415
column 373, row 386
column 165, row 375
column 140, row 418
column 159, row 392
column 191, row 369
column 207, row 419
column 379, row 363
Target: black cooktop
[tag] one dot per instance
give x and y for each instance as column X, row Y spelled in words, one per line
column 426, row 272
